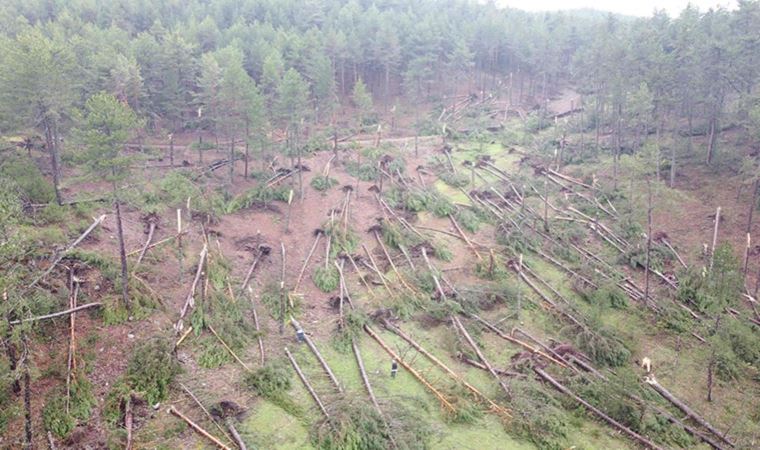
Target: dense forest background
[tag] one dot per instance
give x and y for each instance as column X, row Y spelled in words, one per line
column 228, row 66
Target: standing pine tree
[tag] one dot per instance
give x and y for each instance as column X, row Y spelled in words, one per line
column 102, row 131
column 291, row 108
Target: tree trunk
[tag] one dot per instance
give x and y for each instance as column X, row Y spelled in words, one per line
column 618, row 147
column 649, row 242
column 28, row 444
column 752, row 206
column 52, row 147
column 673, row 158
column 122, row 255
column 247, row 146
column 171, row 149
column 710, row 371
column 711, row 141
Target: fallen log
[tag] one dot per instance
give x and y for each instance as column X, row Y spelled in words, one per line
column 205, row 411
column 502, row 372
column 197, row 428
column 70, row 247
column 128, row 421
column 522, row 344
column 306, row 383
column 393, row 266
column 156, row 244
column 495, row 407
column 464, row 238
column 570, row 179
column 377, row 270
column 458, row 324
column 147, row 243
column 654, row 384
column 612, row 422
column 57, row 314
column 258, row 329
column 318, row 355
column 259, row 255
column 227, row 347
column 359, row 274
column 446, row 404
column 190, row 299
column 673, row 250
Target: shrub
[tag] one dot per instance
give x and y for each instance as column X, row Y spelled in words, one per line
column 326, row 279
column 538, row 416
column 259, row 196
column 353, row 328
column 352, row 425
column 82, row 400
column 273, row 381
column 603, row 348
column 31, row 184
column 468, row 220
column 456, row 180
column 152, row 369
column 608, row 294
column 322, row 183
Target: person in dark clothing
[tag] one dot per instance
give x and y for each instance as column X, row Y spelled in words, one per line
column 394, row 369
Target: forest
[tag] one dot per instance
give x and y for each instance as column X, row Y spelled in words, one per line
column 387, row 224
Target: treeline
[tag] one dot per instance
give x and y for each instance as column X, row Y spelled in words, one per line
column 229, row 65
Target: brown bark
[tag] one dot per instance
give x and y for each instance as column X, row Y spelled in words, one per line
column 28, row 444
column 649, row 242
column 122, row 256
column 652, row 382
column 306, row 383
column 612, row 422
column 198, row 429
column 444, row 402
column 318, row 355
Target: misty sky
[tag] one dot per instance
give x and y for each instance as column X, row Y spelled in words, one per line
column 630, row 7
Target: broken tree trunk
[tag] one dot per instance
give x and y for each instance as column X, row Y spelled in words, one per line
column 612, row 422
column 359, row 274
column 651, row 381
column 248, row 274
column 377, row 270
column 306, row 261
column 227, row 347
column 148, row 240
column 393, row 266
column 70, row 247
column 479, row 365
column 306, row 384
column 715, row 237
column 203, row 408
column 72, row 362
column 445, row 403
column 258, row 329
column 468, row 338
column 464, row 238
column 365, row 379
column 282, row 289
column 673, row 250
column 318, row 355
column 57, row 314
column 197, row 428
column 190, row 299
column 156, row 244
column 522, row 344
column 235, row 435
